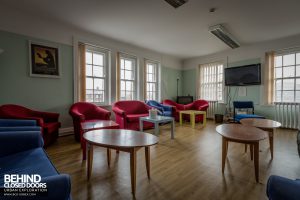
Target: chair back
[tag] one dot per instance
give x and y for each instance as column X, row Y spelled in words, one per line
column 242, row 105
column 173, row 103
column 132, row 106
column 9, row 110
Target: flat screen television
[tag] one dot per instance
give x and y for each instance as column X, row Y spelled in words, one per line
column 243, row 75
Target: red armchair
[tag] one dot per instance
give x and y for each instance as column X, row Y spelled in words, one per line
column 128, row 113
column 196, row 105
column 46, row 120
column 85, row 112
column 177, row 108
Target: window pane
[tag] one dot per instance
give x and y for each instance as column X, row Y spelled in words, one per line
column 98, row 71
column 278, row 61
column 122, row 63
column 278, row 96
column 288, row 96
column 298, row 58
column 89, row 70
column 288, row 84
column 128, row 75
column 98, row 84
column 298, row 96
column 289, row 59
column 99, row 96
column 129, row 86
column 278, row 84
column 278, row 72
column 122, row 97
column 128, row 65
column 298, row 70
column 122, row 74
column 98, row 59
column 150, row 68
column 89, row 83
column 89, row 95
column 88, row 57
column 123, row 85
column 288, row 71
column 298, row 84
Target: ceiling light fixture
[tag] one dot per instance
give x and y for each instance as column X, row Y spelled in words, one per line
column 176, row 3
column 220, row 32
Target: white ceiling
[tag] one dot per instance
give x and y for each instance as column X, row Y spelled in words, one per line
column 181, row 32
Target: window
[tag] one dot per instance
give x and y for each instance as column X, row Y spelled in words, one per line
column 128, row 86
column 151, row 80
column 211, row 82
column 287, row 77
column 96, row 75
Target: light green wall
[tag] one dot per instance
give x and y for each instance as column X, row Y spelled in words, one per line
column 189, row 82
column 17, row 87
column 169, row 83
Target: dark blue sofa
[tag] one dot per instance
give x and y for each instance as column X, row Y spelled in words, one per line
column 247, row 105
column 21, row 152
column 163, row 110
column 18, row 125
column 280, row 188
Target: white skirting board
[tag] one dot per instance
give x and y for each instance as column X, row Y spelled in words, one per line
column 66, row 131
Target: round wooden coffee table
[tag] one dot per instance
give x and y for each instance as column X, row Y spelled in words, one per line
column 241, row 134
column 266, row 125
column 122, row 140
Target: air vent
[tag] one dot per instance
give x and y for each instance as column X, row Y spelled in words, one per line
column 176, row 3
column 220, row 32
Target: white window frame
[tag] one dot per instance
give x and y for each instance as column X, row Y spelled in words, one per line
column 156, row 65
column 206, row 82
column 135, row 61
column 106, row 71
column 295, row 77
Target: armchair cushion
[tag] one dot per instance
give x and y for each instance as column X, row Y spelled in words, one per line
column 16, row 122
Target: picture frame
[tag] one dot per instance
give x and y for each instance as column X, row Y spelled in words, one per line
column 44, row 60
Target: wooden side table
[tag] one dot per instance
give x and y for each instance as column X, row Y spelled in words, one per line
column 193, row 114
column 122, row 140
column 95, row 125
column 241, row 134
column 266, row 125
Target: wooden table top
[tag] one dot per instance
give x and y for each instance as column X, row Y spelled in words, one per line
column 260, row 123
column 120, row 138
column 241, row 132
column 98, row 124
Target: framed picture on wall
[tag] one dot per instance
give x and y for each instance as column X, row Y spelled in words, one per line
column 44, row 60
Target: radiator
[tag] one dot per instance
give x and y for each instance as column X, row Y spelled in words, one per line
column 212, row 109
column 287, row 114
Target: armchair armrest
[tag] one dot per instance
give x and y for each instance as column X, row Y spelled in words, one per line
column 203, row 107
column 13, row 142
column 47, row 116
column 189, row 106
column 101, row 114
column 75, row 114
column 118, row 111
column 16, row 122
column 58, row 186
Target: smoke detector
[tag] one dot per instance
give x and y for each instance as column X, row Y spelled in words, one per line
column 220, row 32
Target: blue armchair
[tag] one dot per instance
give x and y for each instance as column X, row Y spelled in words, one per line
column 279, row 188
column 245, row 105
column 22, row 152
column 18, row 125
column 164, row 110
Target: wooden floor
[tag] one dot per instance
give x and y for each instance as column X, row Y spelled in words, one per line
column 188, row 167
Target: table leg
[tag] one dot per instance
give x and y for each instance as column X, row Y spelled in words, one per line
column 224, row 152
column 172, row 129
column 90, row 160
column 180, row 118
column 192, row 118
column 141, row 125
column 133, row 169
column 251, row 151
column 156, row 128
column 147, row 156
column 256, row 160
column 108, row 152
column 271, row 141
column 204, row 119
